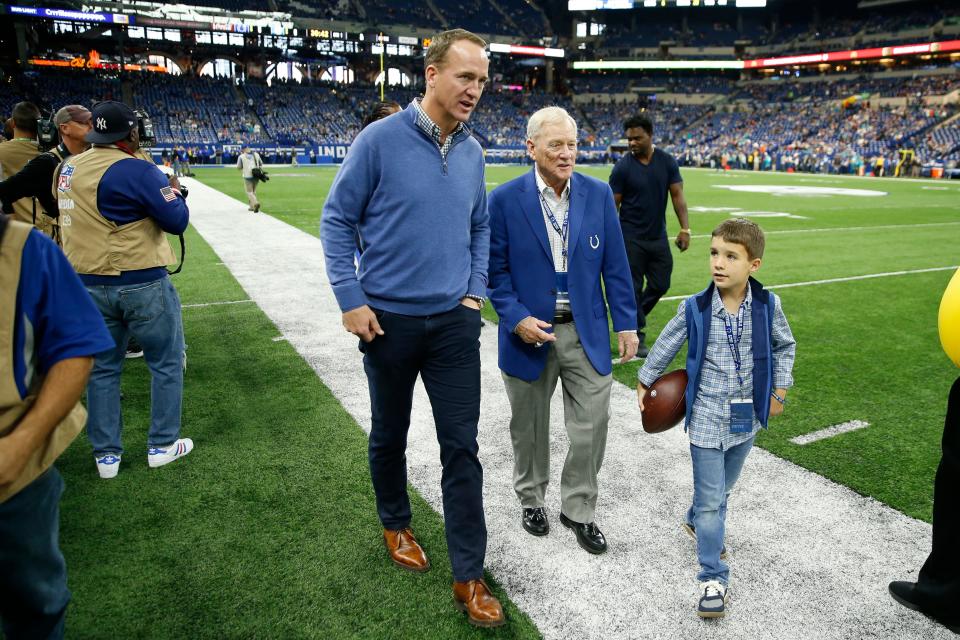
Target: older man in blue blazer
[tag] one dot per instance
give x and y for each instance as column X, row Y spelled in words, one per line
column 555, row 247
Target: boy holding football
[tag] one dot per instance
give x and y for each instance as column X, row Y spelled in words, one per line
column 739, row 361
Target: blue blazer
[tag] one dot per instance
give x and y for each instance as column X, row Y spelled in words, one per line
column 522, row 280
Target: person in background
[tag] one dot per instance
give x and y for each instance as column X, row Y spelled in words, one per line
column 47, row 344
column 246, row 163
column 937, row 589
column 641, row 182
column 35, row 179
column 18, row 151
column 115, row 210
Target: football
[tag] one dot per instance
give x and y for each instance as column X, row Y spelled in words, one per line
column 664, row 405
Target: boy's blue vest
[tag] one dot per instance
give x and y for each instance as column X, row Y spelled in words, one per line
column 698, row 311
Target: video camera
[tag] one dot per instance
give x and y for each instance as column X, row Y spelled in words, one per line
column 47, row 135
column 145, row 127
column 259, row 174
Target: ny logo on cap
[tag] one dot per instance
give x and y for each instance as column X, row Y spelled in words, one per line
column 101, row 123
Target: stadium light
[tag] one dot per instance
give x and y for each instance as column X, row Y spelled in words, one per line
column 522, row 50
column 830, row 57
column 658, row 64
column 858, row 54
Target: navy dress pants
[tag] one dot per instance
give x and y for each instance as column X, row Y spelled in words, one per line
column 445, row 351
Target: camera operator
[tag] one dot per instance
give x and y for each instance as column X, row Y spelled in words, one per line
column 16, row 153
column 114, row 210
column 47, row 343
column 251, row 167
column 34, row 180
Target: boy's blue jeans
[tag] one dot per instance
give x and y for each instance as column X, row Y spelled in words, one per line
column 714, row 473
column 33, row 573
column 151, row 312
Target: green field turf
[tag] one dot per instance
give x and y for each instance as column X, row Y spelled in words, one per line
column 867, row 349
column 268, row 529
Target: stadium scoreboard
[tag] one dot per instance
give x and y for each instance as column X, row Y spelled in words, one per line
column 596, row 5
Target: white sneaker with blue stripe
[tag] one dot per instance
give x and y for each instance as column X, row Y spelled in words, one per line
column 713, row 599
column 159, row 456
column 108, row 465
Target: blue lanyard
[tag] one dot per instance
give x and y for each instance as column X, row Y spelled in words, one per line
column 556, row 227
column 734, row 342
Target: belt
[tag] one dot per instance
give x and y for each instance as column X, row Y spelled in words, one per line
column 563, row 318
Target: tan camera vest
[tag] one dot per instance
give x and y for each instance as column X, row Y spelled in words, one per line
column 14, row 156
column 93, row 244
column 12, row 406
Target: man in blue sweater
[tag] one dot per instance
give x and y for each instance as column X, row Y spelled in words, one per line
column 413, row 187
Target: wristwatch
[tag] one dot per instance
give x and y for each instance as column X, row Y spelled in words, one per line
column 480, row 301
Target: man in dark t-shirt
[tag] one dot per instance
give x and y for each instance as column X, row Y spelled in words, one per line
column 640, row 182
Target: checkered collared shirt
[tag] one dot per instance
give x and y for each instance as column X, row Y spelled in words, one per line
column 709, row 425
column 431, row 128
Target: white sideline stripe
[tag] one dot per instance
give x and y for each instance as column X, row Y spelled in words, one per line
column 788, row 526
column 830, row 176
column 829, row 432
column 834, row 229
column 198, row 305
column 868, row 276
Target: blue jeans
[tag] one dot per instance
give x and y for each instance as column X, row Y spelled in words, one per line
column 714, row 473
column 33, row 573
column 151, row 313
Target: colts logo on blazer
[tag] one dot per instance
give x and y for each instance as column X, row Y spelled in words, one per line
column 595, row 242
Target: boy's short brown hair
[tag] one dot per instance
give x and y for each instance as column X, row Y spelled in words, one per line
column 742, row 231
column 440, row 44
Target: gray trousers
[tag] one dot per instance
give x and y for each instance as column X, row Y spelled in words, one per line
column 586, row 412
column 250, row 186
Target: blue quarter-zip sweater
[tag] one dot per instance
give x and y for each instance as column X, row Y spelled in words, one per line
column 422, row 222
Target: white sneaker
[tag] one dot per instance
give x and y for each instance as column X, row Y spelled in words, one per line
column 159, row 456
column 713, row 599
column 108, row 465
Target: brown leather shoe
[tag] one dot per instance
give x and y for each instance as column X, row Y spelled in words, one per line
column 474, row 597
column 404, row 550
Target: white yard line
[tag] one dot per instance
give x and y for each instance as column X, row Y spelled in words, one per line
column 800, row 566
column 846, row 229
column 829, row 432
column 198, row 305
column 827, row 176
column 868, row 276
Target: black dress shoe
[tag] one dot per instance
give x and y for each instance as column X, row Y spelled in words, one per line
column 588, row 535
column 535, row 521
column 906, row 594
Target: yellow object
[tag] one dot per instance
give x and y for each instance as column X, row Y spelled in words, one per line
column 949, row 319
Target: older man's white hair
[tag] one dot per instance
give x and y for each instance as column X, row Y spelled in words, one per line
column 548, row 115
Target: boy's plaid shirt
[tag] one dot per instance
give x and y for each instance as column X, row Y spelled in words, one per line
column 709, row 425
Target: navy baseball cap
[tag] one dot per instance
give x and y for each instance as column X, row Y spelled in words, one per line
column 112, row 121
